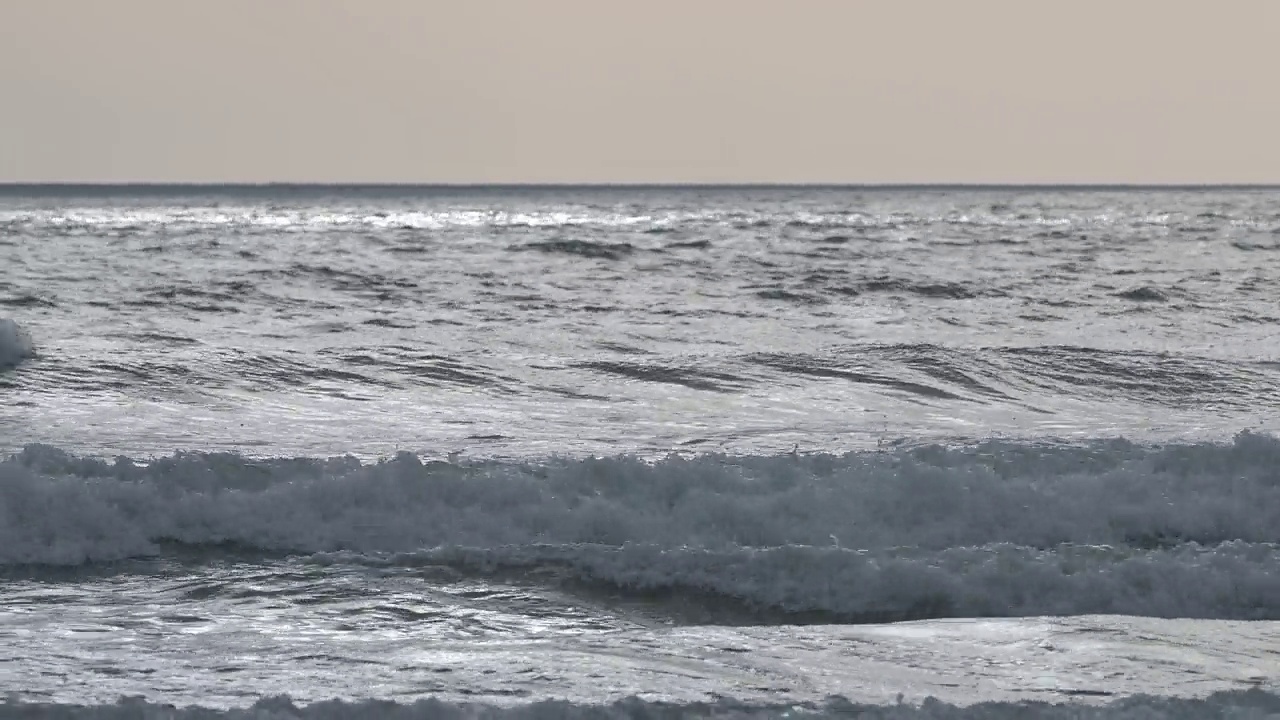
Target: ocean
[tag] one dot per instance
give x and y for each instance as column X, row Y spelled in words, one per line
column 314, row 452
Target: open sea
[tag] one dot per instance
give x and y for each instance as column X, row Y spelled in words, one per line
column 321, row 452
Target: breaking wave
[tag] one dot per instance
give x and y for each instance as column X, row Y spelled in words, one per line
column 15, row 344
column 1239, row 705
column 804, row 584
column 992, row 529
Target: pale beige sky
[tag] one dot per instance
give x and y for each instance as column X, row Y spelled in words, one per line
column 886, row 91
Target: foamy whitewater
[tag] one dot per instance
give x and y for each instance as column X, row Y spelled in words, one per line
column 651, row 452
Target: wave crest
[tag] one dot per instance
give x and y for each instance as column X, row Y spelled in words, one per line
column 15, row 344
column 997, row 528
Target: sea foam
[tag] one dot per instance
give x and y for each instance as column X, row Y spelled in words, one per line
column 1239, row 705
column 998, row 528
column 15, row 344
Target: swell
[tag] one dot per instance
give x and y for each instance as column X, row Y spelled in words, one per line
column 1169, row 379
column 182, row 365
column 1032, row 377
column 1019, row 374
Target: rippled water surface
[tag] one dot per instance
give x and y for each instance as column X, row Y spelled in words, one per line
column 550, row 321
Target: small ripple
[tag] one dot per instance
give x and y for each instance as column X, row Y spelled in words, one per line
column 388, row 323
column 1143, row 294
column 581, row 248
column 27, row 301
column 689, row 245
column 788, row 296
column 950, row 290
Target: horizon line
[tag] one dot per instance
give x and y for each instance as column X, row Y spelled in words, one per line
column 343, row 185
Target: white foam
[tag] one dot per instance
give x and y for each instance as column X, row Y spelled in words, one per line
column 1000, row 528
column 1238, row 705
column 321, row 218
column 15, row 344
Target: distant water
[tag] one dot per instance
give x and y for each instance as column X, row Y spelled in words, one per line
column 640, row 452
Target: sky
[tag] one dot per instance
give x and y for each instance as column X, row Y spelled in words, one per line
column 652, row 91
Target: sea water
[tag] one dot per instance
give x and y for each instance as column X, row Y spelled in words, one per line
column 639, row 452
